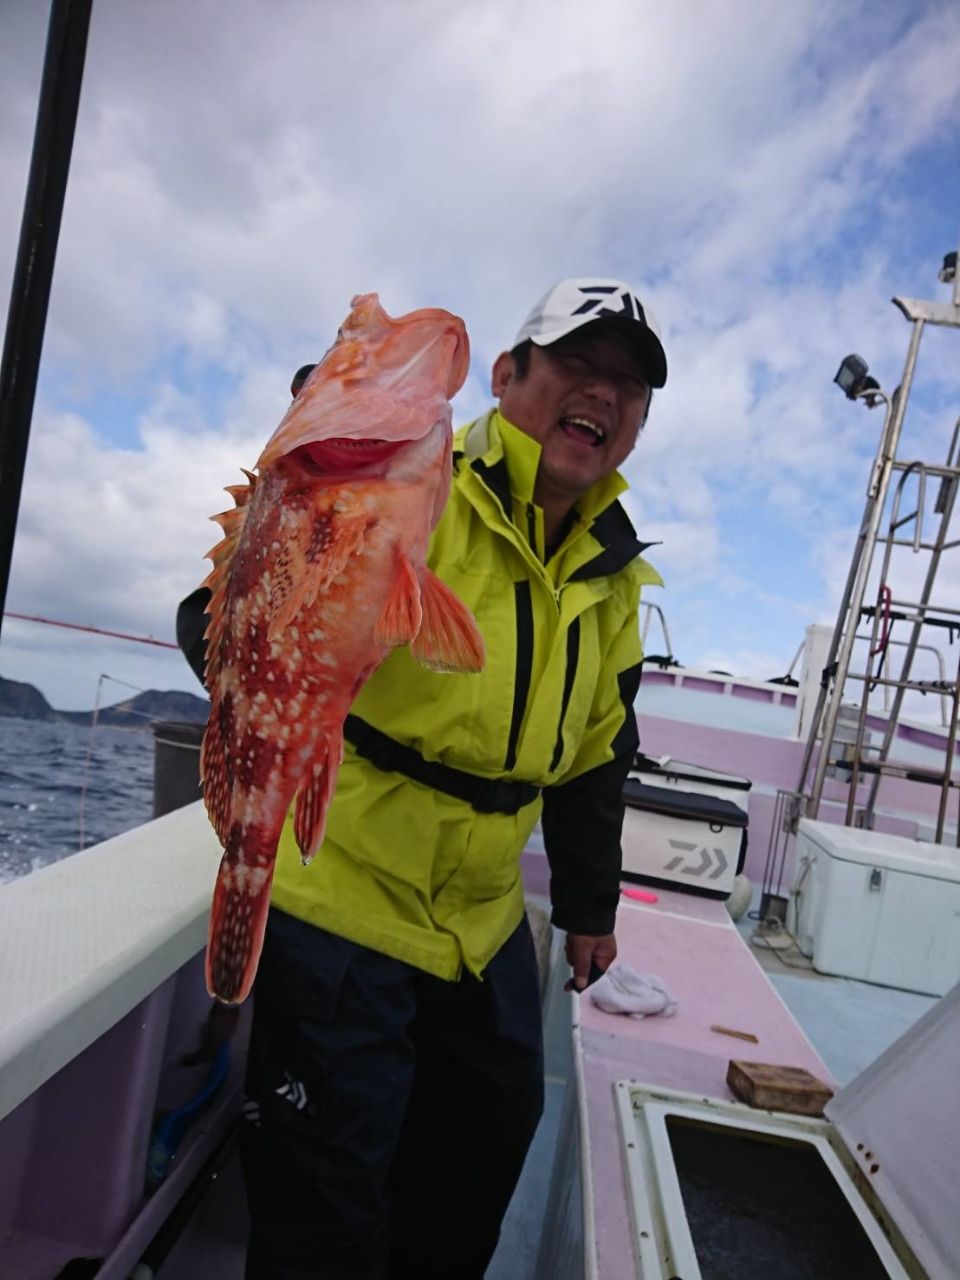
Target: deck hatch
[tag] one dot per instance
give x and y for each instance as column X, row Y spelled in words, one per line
column 704, row 1206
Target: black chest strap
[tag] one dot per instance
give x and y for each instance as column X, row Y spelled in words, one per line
column 485, row 795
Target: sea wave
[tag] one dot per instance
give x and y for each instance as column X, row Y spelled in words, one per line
column 64, row 787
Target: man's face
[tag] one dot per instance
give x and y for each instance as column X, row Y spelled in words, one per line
column 583, row 400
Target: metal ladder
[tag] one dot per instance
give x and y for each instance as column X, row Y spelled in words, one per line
column 862, row 760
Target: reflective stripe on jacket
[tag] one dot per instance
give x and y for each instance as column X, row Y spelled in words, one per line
column 420, row 875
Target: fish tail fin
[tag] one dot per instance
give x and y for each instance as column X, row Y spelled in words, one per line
column 315, row 794
column 238, row 918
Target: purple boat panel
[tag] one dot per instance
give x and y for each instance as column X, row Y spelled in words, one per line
column 703, row 685
column 74, row 1154
column 751, row 693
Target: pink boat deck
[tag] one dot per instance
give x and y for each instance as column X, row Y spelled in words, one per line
column 693, row 946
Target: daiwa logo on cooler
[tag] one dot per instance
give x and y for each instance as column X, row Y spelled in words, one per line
column 706, row 860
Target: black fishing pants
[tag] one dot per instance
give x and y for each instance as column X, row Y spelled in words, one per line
column 389, row 1111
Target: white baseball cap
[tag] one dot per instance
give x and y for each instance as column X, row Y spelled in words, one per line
column 573, row 303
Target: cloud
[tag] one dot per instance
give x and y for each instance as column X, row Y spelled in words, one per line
column 235, row 182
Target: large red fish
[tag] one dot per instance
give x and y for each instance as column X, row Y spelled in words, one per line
column 319, row 575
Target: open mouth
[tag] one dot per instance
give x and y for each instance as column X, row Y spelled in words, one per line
column 583, row 430
column 343, row 454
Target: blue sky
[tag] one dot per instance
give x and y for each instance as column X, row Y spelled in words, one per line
column 768, row 176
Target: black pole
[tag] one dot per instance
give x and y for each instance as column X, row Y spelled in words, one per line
column 33, row 273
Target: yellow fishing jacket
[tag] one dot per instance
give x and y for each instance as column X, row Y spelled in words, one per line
column 419, row 874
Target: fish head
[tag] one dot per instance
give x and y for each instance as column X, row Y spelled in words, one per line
column 385, row 383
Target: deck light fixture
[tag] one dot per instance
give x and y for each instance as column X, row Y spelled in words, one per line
column 853, row 378
column 948, row 272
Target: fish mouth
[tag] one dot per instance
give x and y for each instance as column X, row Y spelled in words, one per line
column 342, row 454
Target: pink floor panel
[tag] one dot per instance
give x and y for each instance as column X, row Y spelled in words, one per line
column 693, row 946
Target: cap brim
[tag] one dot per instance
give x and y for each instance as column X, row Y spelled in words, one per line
column 641, row 337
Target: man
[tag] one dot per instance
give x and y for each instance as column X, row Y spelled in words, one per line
column 396, row 1059
column 299, row 378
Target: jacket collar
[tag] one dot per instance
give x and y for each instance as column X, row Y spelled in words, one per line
column 506, row 460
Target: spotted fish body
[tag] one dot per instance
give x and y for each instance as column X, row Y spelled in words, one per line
column 321, row 572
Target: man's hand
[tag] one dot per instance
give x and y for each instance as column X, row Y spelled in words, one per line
column 584, row 953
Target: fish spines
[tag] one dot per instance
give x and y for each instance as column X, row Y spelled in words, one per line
column 232, row 523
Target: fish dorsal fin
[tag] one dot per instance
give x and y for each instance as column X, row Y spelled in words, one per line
column 231, row 522
column 448, row 639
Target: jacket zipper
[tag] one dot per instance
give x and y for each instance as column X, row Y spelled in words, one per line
column 573, row 657
column 524, row 667
column 532, row 529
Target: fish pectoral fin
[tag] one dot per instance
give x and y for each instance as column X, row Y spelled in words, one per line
column 448, row 639
column 315, row 554
column 314, row 796
column 402, row 614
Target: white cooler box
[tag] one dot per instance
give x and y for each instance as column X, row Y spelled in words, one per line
column 877, row 907
column 684, row 827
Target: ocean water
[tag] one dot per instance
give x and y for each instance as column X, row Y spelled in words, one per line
column 64, row 787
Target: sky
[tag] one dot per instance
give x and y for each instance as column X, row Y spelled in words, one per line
column 767, row 176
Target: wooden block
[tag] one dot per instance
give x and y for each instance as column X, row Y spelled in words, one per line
column 776, row 1088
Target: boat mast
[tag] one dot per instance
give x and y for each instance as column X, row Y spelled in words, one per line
column 918, row 612
column 37, row 251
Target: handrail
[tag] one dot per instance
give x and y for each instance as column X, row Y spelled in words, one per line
column 930, row 648
column 644, row 630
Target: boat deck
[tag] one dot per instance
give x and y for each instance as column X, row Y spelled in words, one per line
column 108, row 974
column 833, row 1026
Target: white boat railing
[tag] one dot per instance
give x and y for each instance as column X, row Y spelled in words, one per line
column 85, row 940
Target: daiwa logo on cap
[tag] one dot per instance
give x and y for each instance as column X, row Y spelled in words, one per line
column 607, row 294
column 573, row 303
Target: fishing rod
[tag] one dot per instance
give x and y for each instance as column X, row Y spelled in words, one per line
column 36, row 254
column 97, row 631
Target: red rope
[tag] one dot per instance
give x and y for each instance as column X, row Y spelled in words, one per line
column 886, row 595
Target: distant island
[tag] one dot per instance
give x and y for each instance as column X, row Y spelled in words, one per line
column 140, row 712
